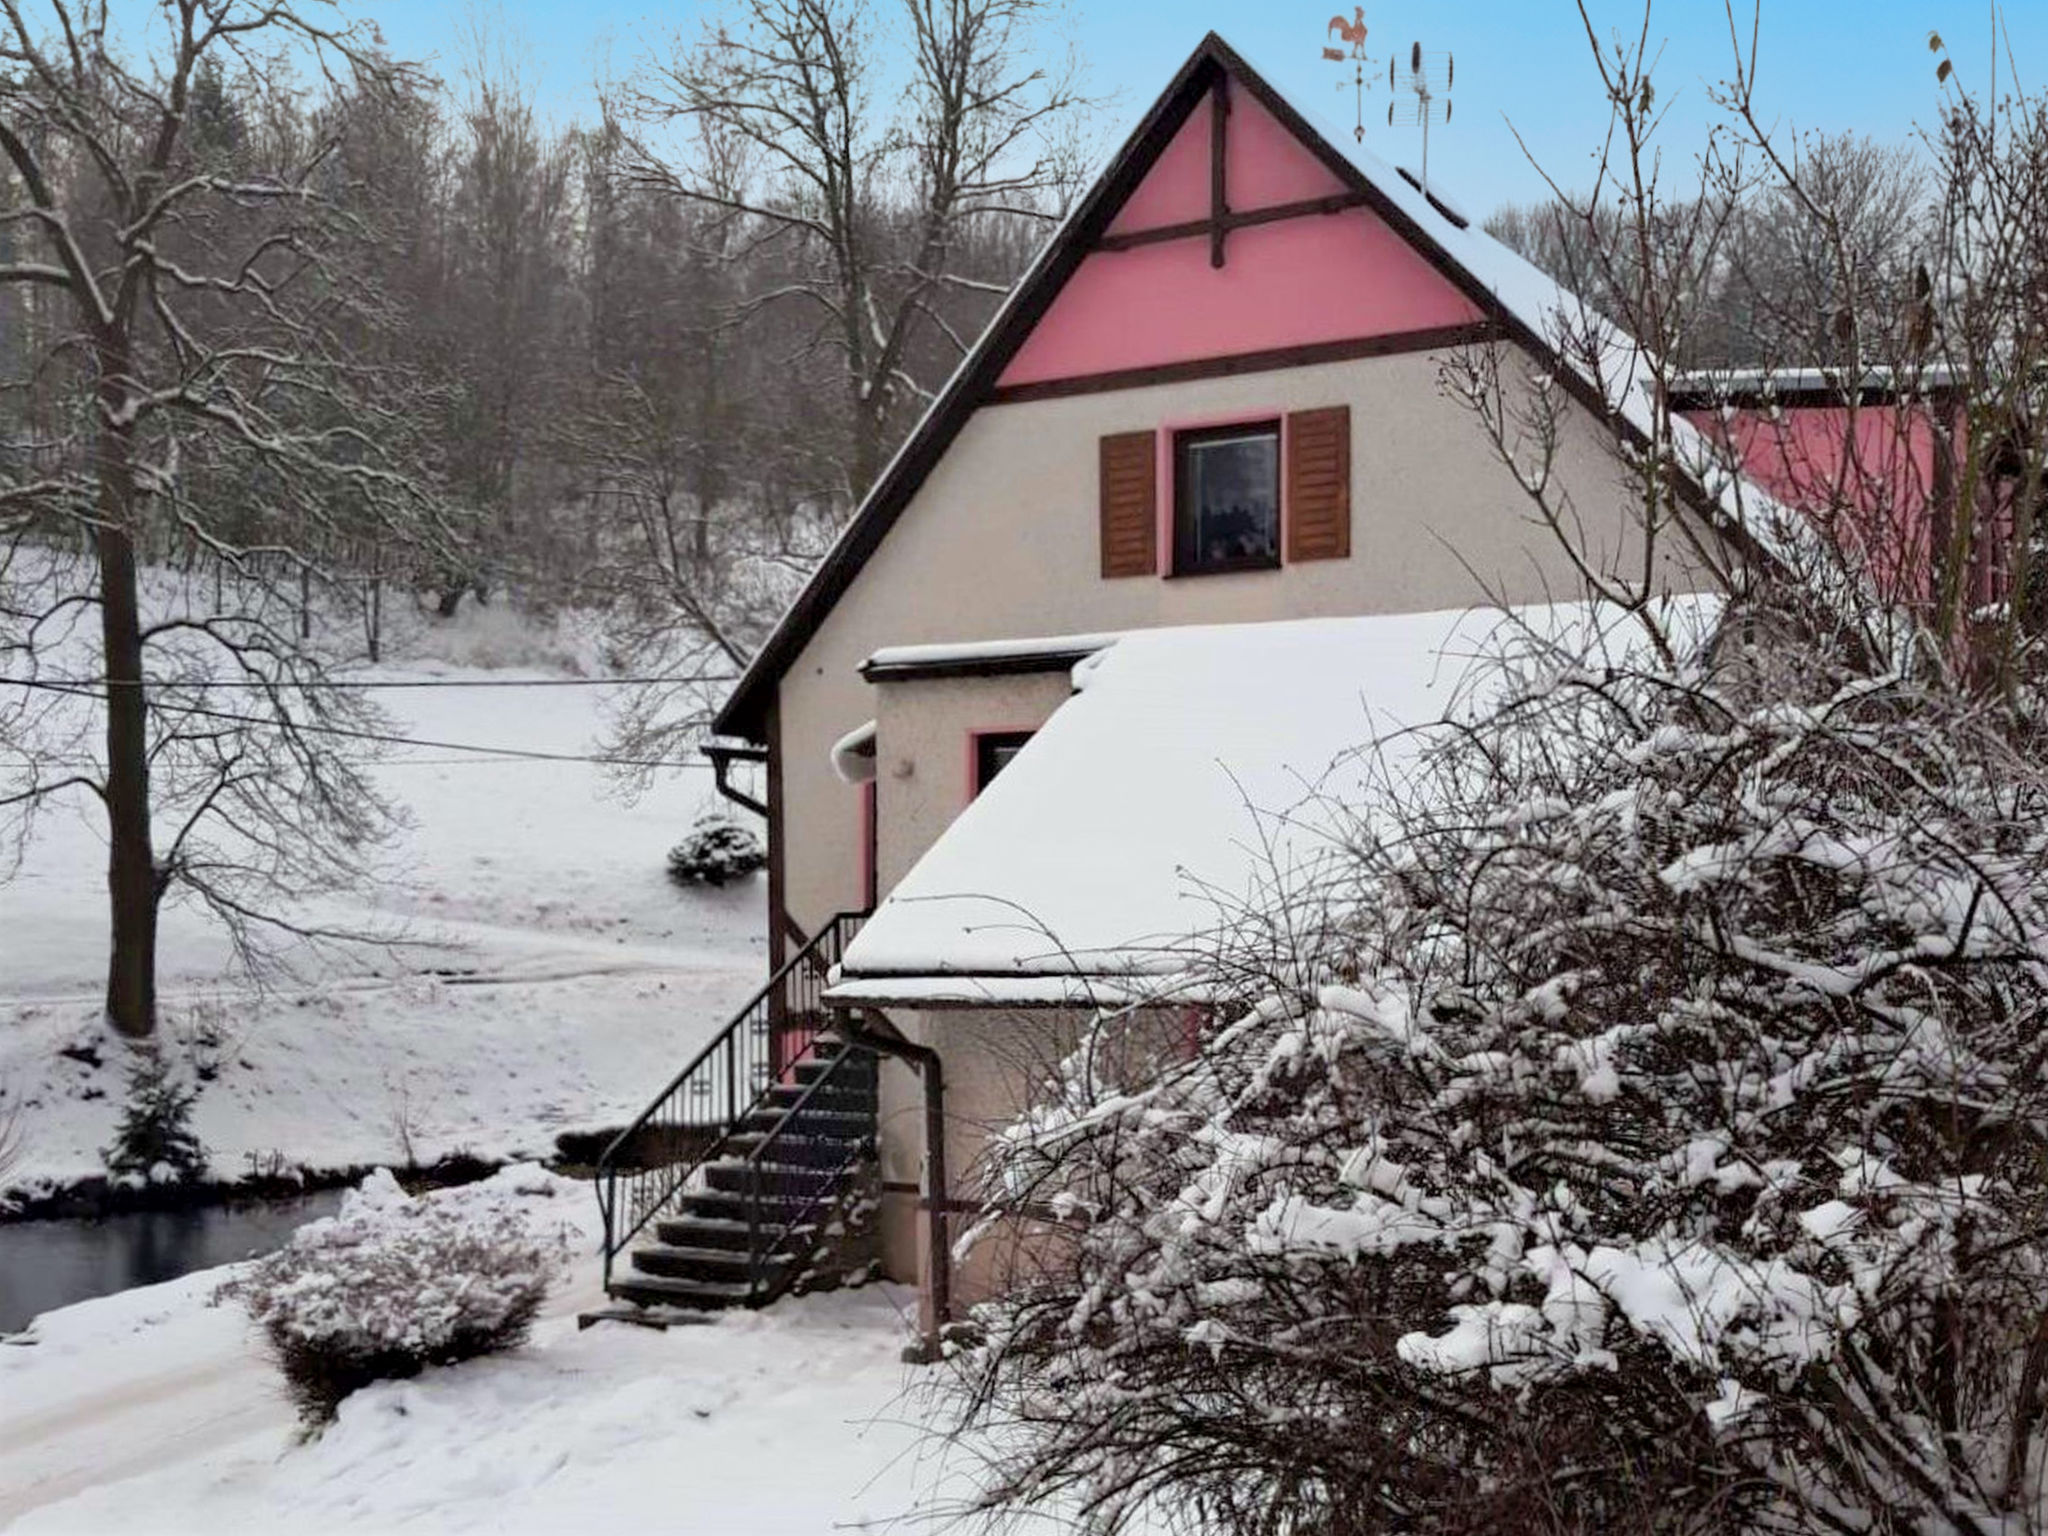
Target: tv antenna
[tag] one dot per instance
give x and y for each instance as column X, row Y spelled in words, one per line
column 1352, row 34
column 1422, row 96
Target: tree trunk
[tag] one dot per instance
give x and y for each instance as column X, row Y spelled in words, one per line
column 867, row 449
column 131, row 862
column 373, row 619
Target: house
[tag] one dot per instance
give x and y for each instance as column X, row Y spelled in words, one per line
column 1202, row 459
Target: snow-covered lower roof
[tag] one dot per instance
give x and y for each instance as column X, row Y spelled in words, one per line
column 1192, row 769
column 1044, row 652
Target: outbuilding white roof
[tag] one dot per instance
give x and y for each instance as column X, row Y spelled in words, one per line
column 1194, row 769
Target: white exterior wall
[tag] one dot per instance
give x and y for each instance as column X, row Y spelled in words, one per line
column 1001, row 542
column 924, row 761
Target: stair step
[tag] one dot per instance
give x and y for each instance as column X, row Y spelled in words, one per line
column 723, row 1205
column 660, row 1290
column 717, row 1232
column 858, row 1073
column 793, row 1149
column 715, row 1264
column 660, row 1318
column 826, row 1048
column 844, row 1124
column 770, row 1181
column 833, row 1099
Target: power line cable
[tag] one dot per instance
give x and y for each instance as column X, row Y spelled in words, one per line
column 201, row 684
column 307, row 728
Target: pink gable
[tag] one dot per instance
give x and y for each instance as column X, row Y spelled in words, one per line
column 1294, row 282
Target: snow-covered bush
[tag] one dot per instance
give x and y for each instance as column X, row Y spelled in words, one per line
column 717, row 851
column 154, row 1141
column 1650, row 1134
column 393, row 1285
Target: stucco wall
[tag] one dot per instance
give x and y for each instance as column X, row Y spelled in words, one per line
column 1001, row 542
column 923, row 759
column 996, row 1062
column 993, row 1063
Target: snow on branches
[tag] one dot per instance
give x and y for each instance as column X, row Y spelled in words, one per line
column 1651, row 1137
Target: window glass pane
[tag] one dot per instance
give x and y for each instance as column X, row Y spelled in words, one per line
column 992, row 753
column 1228, row 502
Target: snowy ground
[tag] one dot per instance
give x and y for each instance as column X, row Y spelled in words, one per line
column 574, row 979
column 155, row 1411
column 578, row 976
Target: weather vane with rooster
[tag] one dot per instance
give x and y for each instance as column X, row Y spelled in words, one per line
column 1352, row 34
column 1420, row 91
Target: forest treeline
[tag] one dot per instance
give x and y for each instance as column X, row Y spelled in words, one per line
column 291, row 330
column 648, row 359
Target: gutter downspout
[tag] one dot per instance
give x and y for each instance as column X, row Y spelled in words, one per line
column 887, row 1040
column 722, row 758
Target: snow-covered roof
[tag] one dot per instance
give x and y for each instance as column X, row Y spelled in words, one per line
column 899, row 660
column 1192, row 768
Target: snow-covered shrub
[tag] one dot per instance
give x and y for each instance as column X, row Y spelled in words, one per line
column 717, row 851
column 1649, row 1134
column 393, row 1285
column 155, row 1141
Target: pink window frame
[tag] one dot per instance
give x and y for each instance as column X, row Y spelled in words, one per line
column 870, row 830
column 974, row 738
column 1166, row 464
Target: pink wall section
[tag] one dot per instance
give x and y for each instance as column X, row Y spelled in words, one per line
column 1869, row 477
column 1326, row 277
column 1263, row 164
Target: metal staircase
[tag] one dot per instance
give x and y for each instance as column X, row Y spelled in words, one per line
column 746, row 1174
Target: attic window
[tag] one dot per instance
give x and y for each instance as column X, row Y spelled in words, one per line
column 1226, row 499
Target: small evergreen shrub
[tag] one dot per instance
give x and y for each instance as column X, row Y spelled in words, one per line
column 155, row 1141
column 390, row 1287
column 718, row 850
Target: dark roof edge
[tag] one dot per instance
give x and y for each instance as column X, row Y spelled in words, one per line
column 975, row 666
column 1694, row 398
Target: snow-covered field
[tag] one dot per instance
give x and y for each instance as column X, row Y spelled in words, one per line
column 557, row 979
column 574, row 976
column 155, row 1411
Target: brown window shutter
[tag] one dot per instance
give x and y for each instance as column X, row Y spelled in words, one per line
column 1130, row 505
column 1319, row 484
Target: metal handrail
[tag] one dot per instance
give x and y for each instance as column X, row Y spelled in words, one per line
column 830, row 1185
column 733, row 1072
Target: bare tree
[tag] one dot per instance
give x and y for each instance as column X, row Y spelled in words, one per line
column 876, row 201
column 1774, row 284
column 506, row 320
column 207, row 410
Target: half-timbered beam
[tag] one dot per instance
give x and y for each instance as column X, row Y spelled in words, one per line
column 1308, row 207
column 1219, row 148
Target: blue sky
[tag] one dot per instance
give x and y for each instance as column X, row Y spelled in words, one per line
column 1825, row 64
